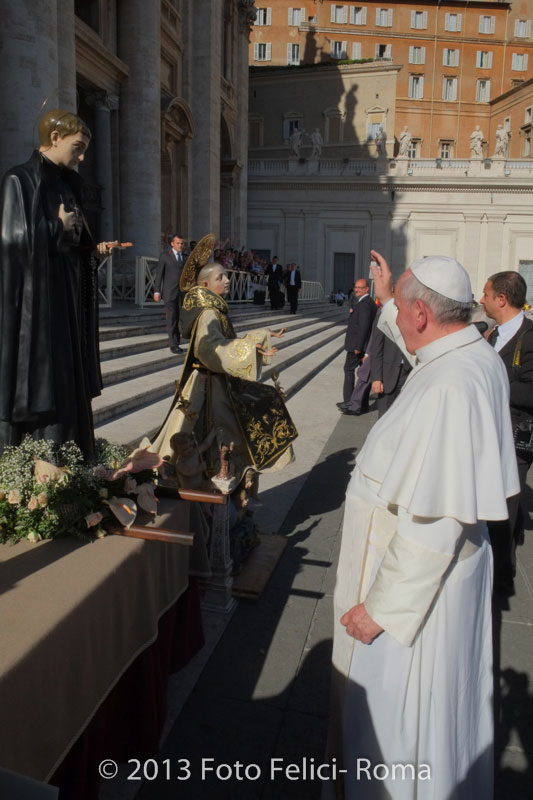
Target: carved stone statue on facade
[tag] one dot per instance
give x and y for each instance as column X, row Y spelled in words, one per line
column 502, row 142
column 405, row 142
column 297, row 141
column 476, row 143
column 381, row 143
column 316, row 141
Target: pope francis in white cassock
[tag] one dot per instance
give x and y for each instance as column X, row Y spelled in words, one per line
column 412, row 684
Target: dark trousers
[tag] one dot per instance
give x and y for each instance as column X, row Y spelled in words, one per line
column 172, row 316
column 505, row 534
column 359, row 398
column 292, row 294
column 350, row 365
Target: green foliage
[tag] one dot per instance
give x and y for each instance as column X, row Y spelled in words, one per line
column 57, row 503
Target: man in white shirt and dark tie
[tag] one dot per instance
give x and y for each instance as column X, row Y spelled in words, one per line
column 504, row 294
column 167, row 286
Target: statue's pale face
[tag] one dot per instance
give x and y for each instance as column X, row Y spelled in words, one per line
column 218, row 282
column 67, row 151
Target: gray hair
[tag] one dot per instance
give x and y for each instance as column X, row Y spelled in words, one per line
column 444, row 309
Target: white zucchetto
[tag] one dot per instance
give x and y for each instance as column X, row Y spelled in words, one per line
column 445, row 276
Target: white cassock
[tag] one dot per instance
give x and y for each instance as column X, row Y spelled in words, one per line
column 415, row 550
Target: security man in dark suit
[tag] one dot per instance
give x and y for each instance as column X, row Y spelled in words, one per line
column 293, row 283
column 504, row 295
column 357, row 336
column 167, row 285
column 274, row 273
column 388, row 369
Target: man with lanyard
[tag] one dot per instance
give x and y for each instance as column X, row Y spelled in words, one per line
column 504, row 294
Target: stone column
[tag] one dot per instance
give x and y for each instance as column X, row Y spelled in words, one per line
column 470, row 257
column 241, row 37
column 66, row 65
column 206, row 45
column 139, row 47
column 495, row 243
column 103, row 104
column 28, row 75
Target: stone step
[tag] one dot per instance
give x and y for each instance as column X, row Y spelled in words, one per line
column 131, row 314
column 127, row 395
column 122, row 344
column 147, row 420
column 134, row 364
column 135, row 325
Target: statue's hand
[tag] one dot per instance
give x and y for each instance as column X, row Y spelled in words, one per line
column 68, row 218
column 266, row 353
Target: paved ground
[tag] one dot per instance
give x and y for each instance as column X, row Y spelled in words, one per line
column 263, row 692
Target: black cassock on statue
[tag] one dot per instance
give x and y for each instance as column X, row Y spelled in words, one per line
column 49, row 359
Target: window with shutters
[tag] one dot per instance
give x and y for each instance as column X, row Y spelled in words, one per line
column 449, row 89
column 416, row 87
column 417, row 55
column 262, row 51
column 528, row 116
column 358, row 15
column 384, row 17
column 293, row 55
column 519, row 63
column 450, row 58
column 264, row 16
column 522, row 28
column 255, row 131
column 486, row 24
column 526, row 148
column 339, row 49
column 296, row 16
column 333, row 129
column 383, row 52
column 414, row 149
column 419, row 19
column 484, row 59
column 292, row 121
column 446, row 148
column 482, row 91
column 339, row 14
column 452, row 22
column 356, row 51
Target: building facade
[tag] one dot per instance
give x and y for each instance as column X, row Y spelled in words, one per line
column 454, row 58
column 163, row 87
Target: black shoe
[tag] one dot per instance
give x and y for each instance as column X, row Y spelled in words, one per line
column 176, row 349
column 342, row 405
column 351, row 413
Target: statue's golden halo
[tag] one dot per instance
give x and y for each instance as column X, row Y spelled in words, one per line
column 198, row 258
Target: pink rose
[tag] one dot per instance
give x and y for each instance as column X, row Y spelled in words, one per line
column 130, row 485
column 93, row 519
column 14, row 497
column 42, row 499
column 100, row 472
column 33, row 504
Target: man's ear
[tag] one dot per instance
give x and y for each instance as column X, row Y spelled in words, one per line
column 421, row 315
column 55, row 136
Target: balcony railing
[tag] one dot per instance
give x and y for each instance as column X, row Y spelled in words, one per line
column 390, row 167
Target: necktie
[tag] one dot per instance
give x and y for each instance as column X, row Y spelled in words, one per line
column 494, row 336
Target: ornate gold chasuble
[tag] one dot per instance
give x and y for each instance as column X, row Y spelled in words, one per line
column 215, row 352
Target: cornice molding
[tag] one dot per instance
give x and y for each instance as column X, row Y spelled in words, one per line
column 384, row 188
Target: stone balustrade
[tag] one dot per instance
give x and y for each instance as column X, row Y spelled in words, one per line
column 391, row 167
